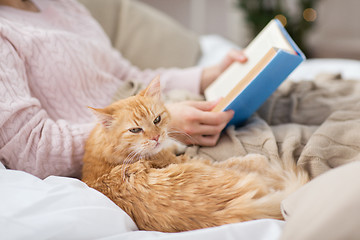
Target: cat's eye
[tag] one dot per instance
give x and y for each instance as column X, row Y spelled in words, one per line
column 135, row 130
column 157, row 120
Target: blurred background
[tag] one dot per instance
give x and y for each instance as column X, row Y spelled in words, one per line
column 322, row 28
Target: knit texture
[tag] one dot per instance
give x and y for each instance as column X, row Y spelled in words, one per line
column 53, row 64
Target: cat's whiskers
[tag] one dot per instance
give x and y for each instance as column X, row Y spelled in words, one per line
column 173, row 131
column 128, row 160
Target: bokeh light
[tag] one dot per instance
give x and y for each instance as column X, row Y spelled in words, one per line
column 282, row 19
column 310, row 14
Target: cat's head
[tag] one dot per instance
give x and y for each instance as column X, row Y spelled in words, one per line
column 135, row 127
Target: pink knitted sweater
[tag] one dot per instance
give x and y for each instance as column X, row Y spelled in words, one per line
column 54, row 64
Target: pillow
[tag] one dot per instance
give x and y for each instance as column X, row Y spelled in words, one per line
column 325, row 208
column 56, row 208
column 145, row 36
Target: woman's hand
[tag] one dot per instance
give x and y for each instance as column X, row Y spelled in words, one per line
column 211, row 73
column 194, row 123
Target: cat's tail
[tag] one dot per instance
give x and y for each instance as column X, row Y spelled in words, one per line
column 276, row 174
column 293, row 176
column 266, row 185
column 269, row 205
column 284, row 178
column 279, row 180
column 290, row 178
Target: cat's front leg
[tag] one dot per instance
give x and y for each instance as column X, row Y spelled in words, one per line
column 126, row 170
column 165, row 158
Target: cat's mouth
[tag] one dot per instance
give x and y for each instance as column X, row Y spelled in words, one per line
column 152, row 147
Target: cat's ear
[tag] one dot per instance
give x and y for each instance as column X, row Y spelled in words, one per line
column 103, row 117
column 153, row 89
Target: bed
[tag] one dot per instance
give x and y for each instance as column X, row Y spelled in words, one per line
column 65, row 208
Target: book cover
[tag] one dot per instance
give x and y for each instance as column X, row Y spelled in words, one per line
column 272, row 56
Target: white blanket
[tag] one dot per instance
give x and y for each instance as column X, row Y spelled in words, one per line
column 65, row 208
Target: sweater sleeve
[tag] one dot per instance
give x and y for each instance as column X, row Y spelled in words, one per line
column 29, row 139
column 172, row 78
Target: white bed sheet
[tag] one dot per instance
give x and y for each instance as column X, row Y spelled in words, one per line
column 65, row 208
column 349, row 69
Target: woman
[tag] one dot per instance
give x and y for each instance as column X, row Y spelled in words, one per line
column 55, row 60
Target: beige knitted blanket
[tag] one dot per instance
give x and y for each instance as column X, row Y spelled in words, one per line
column 314, row 123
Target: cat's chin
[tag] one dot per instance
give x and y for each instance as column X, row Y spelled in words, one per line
column 157, row 148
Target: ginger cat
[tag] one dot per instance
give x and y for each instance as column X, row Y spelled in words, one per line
column 126, row 160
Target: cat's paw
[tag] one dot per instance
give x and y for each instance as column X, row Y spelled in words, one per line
column 175, row 147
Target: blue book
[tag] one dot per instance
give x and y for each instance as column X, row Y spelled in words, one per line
column 272, row 56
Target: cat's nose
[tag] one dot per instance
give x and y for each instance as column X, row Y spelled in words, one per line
column 156, row 138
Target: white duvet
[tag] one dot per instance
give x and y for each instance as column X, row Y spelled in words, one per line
column 65, row 208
